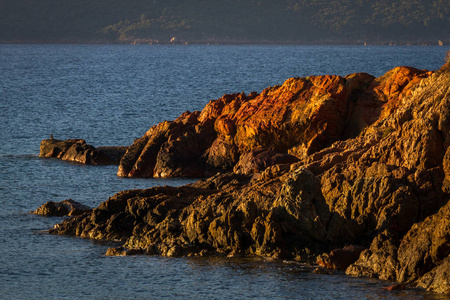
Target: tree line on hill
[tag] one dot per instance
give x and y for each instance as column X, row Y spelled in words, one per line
column 225, row 21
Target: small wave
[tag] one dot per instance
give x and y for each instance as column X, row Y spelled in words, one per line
column 19, row 156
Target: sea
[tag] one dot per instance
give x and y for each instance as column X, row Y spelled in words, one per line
column 110, row 95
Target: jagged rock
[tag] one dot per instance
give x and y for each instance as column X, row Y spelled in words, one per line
column 77, row 150
column 223, row 155
column 67, row 207
column 170, row 149
column 301, row 117
column 301, row 198
column 394, row 86
column 438, row 279
column 425, row 246
column 420, row 256
column 297, row 119
column 380, row 260
column 213, row 215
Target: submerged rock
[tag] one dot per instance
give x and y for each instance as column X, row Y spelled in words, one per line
column 395, row 287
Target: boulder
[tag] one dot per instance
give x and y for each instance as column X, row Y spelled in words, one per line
column 340, row 259
column 380, row 260
column 77, row 150
column 67, row 207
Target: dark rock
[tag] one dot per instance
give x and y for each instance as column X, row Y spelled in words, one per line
column 340, row 259
column 395, row 287
column 323, row 271
column 170, row 149
column 118, row 251
column 437, row 279
column 64, row 208
column 76, row 150
column 420, row 256
column 380, row 260
column 425, row 246
column 121, row 251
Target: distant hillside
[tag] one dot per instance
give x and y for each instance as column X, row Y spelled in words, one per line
column 225, row 21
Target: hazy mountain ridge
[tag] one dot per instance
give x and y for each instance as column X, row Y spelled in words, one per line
column 233, row 21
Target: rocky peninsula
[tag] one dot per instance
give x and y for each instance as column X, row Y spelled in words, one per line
column 317, row 164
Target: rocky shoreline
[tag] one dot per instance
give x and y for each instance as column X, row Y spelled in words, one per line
column 314, row 165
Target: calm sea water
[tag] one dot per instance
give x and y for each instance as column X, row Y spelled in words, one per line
column 110, row 95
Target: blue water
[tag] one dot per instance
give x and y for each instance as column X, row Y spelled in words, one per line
column 110, row 95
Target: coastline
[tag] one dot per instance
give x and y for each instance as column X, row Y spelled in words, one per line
column 212, row 42
column 261, row 212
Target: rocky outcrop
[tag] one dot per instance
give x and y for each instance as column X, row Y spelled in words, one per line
column 378, row 178
column 298, row 118
column 67, row 207
column 76, row 150
column 409, row 181
column 248, row 133
column 422, row 255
